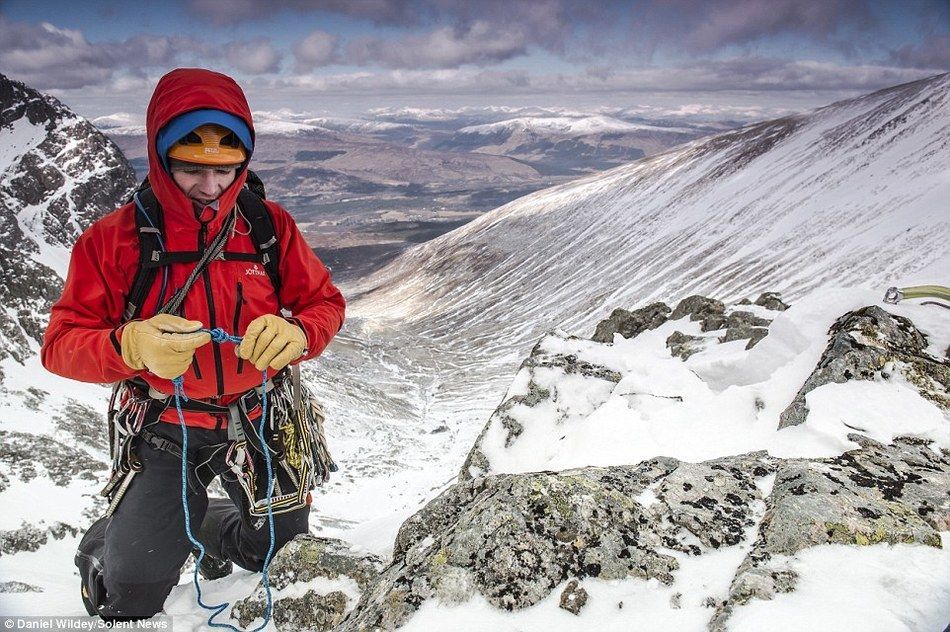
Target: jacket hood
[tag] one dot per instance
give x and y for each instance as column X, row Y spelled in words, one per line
column 185, row 90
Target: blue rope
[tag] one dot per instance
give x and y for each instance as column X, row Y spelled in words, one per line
column 218, row 335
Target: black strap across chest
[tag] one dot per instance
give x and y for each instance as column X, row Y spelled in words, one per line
column 149, row 223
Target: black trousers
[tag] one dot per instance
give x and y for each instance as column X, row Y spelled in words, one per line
column 140, row 550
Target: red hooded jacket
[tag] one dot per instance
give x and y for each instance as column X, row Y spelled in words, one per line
column 84, row 335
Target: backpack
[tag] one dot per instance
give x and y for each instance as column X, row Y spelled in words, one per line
column 150, row 227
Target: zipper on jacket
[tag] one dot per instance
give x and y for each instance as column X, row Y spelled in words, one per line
column 237, row 320
column 216, row 349
column 194, row 358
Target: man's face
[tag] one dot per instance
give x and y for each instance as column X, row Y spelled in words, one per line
column 204, row 184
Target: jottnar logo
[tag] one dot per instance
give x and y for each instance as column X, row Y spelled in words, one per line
column 256, row 271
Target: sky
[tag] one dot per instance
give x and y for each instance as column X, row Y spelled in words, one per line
column 346, row 57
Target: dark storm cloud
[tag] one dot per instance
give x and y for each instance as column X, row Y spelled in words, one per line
column 700, row 26
column 393, row 12
column 933, row 52
column 47, row 57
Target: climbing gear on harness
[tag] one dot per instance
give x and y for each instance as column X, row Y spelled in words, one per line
column 895, row 295
column 164, row 343
column 153, row 255
column 219, row 336
column 295, row 434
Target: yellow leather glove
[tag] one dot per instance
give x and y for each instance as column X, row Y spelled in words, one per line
column 272, row 341
column 165, row 344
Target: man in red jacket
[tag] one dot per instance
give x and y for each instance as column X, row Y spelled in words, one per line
column 200, row 139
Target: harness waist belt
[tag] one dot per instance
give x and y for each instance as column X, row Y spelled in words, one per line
column 249, row 398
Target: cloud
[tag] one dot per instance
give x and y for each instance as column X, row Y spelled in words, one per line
column 933, row 53
column 49, row 57
column 317, row 49
column 254, row 57
column 746, row 74
column 480, row 43
column 225, row 12
column 704, row 27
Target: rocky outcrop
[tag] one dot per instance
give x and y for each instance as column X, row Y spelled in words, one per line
column 514, row 538
column 26, row 456
column 536, row 388
column 699, row 308
column 322, row 579
column 631, row 324
column 59, row 174
column 898, row 493
column 870, row 344
column 31, row 537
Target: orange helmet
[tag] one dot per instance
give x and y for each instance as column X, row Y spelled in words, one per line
column 209, row 145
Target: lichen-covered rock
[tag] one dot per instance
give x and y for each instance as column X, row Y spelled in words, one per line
column 514, row 538
column 30, row 537
column 713, row 500
column 897, row 493
column 573, row 597
column 753, row 334
column 631, row 324
column 772, row 301
column 698, row 308
column 683, row 345
column 18, row 587
column 862, row 343
column 328, row 572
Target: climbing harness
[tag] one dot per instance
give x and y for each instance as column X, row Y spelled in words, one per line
column 220, row 336
column 895, row 295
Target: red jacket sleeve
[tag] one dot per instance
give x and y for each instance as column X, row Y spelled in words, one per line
column 82, row 341
column 316, row 305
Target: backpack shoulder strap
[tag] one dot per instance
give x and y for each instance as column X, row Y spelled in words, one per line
column 150, row 228
column 263, row 234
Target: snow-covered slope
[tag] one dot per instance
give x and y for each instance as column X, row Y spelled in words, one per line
column 854, row 193
column 851, row 194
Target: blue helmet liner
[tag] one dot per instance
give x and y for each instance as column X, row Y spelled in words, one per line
column 181, row 125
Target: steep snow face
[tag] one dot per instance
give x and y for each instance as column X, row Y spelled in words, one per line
column 58, row 173
column 850, row 194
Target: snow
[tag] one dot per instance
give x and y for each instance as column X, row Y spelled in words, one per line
column 566, row 126
column 719, row 402
column 887, row 588
column 18, row 138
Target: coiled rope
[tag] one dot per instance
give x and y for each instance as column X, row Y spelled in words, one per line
column 219, row 336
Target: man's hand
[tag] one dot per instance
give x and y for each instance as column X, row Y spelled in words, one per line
column 272, row 341
column 165, row 344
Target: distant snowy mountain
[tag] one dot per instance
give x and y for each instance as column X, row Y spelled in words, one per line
column 580, row 126
column 851, row 194
column 58, row 173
